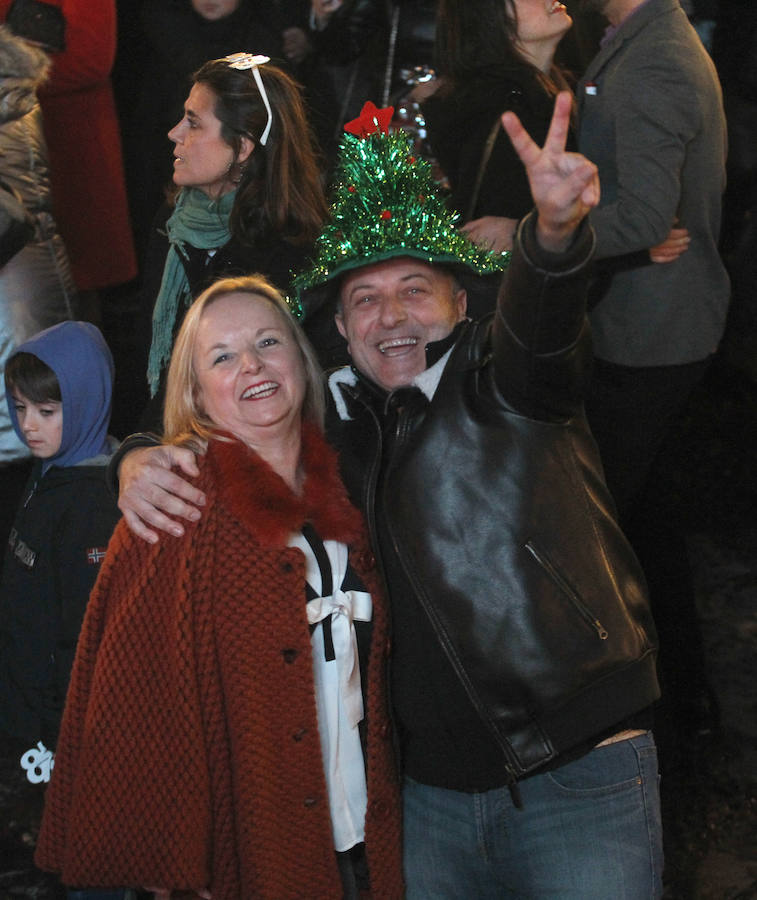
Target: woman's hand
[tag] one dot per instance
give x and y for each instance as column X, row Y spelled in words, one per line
column 676, row 243
column 491, row 232
column 149, row 492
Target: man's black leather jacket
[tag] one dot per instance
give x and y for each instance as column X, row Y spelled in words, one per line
column 497, row 510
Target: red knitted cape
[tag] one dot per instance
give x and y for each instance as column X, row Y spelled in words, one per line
column 189, row 754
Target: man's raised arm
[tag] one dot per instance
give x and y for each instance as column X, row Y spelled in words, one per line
column 564, row 185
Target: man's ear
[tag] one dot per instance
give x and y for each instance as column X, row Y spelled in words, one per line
column 461, row 303
column 342, row 330
column 340, row 325
column 246, row 146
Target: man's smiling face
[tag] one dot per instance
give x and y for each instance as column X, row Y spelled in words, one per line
column 390, row 311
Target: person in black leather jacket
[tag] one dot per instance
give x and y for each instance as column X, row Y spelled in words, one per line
column 523, row 652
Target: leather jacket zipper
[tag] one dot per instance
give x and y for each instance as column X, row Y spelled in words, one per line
column 511, row 765
column 576, row 602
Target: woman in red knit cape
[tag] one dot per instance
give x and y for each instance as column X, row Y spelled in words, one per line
column 189, row 756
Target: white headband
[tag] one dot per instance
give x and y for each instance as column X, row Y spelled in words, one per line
column 244, row 61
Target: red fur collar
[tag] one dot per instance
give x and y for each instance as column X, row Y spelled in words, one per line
column 260, row 498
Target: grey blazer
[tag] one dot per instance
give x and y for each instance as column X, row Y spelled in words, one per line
column 651, row 118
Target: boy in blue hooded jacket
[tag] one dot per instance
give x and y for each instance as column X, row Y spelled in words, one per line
column 58, row 387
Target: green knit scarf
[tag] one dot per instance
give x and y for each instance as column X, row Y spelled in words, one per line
column 202, row 223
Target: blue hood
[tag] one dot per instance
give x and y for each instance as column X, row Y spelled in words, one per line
column 83, row 365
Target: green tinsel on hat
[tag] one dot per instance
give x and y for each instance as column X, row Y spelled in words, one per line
column 386, row 205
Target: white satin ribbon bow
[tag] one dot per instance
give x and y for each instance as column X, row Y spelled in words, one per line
column 345, row 607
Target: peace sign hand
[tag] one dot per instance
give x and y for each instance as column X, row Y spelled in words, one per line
column 564, row 186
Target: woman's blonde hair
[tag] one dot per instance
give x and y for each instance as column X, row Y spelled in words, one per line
column 183, row 417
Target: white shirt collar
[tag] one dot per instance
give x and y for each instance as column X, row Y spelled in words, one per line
column 427, row 381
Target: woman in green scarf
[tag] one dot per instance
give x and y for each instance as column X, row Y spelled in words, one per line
column 249, row 196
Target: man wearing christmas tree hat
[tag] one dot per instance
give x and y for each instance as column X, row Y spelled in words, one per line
column 523, row 652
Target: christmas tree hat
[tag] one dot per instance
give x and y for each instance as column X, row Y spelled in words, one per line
column 386, row 204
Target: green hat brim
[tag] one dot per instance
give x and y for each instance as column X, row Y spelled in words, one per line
column 362, row 262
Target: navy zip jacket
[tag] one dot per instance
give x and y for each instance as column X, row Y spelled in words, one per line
column 58, row 538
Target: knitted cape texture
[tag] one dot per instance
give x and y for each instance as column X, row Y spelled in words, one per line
column 189, row 755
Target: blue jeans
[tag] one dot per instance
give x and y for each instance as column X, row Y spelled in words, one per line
column 589, row 830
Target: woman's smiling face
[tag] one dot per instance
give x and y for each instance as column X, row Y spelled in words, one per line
column 540, row 21
column 249, row 369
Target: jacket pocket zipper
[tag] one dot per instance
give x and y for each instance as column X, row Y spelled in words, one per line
column 568, row 590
